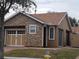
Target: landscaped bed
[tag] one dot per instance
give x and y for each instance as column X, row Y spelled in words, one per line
column 64, row 53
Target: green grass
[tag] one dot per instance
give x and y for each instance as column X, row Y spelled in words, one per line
column 25, row 53
column 38, row 53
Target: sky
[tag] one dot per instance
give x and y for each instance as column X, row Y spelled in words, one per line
column 69, row 6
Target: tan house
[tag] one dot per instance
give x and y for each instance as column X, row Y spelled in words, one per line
column 38, row 30
column 75, row 37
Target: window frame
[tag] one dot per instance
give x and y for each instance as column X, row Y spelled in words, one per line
column 21, row 33
column 53, row 33
column 9, row 32
column 31, row 29
column 16, row 31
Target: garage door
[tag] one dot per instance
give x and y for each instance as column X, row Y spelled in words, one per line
column 14, row 37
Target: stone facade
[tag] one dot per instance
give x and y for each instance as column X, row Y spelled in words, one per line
column 35, row 40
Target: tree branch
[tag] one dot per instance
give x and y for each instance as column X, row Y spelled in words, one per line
column 34, row 5
column 9, row 6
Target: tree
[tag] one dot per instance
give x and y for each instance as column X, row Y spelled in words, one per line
column 5, row 5
column 78, row 21
column 73, row 22
column 26, row 4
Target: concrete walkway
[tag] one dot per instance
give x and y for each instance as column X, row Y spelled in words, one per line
column 20, row 58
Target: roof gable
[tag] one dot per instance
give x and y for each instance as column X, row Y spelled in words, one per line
column 17, row 19
column 65, row 23
column 54, row 18
column 20, row 18
column 25, row 14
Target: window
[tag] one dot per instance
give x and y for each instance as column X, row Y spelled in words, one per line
column 51, row 33
column 21, row 32
column 11, row 32
column 32, row 29
column 16, row 31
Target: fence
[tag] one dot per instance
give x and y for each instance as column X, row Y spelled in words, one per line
column 75, row 40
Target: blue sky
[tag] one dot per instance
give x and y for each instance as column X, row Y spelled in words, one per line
column 70, row 6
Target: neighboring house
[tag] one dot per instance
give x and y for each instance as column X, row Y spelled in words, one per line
column 75, row 29
column 38, row 30
column 75, row 37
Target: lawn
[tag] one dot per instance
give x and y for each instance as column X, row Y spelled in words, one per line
column 63, row 53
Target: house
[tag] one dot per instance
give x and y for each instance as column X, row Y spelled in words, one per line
column 38, row 30
column 75, row 37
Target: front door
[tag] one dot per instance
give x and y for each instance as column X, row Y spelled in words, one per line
column 60, row 36
column 44, row 39
column 67, row 38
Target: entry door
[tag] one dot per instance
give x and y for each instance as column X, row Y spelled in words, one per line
column 44, row 41
column 67, row 38
column 60, row 34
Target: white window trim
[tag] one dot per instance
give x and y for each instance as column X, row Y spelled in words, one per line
column 53, row 33
column 30, row 28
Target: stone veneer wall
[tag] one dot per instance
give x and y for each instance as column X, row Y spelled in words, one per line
column 35, row 40
column 28, row 39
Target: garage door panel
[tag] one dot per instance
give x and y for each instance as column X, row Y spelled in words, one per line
column 15, row 37
column 8, row 39
column 24, row 41
column 19, row 40
column 13, row 40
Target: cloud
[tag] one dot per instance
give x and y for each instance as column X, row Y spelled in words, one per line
column 70, row 6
